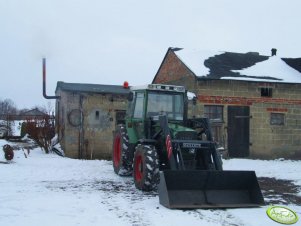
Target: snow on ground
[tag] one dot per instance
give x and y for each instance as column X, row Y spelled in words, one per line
column 280, row 168
column 45, row 189
column 14, row 125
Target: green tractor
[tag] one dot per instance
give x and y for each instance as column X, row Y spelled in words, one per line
column 163, row 149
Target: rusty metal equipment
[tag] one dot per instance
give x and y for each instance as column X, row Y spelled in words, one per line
column 8, row 152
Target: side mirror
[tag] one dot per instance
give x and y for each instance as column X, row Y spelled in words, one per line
column 131, row 96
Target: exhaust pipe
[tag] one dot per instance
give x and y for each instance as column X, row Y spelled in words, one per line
column 44, row 83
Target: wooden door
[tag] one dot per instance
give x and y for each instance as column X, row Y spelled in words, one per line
column 238, row 131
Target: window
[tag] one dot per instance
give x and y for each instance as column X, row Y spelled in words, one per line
column 96, row 115
column 165, row 103
column 120, row 117
column 214, row 112
column 277, row 119
column 266, row 92
column 217, row 134
column 138, row 111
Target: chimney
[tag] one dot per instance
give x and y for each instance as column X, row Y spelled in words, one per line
column 44, row 82
column 274, row 51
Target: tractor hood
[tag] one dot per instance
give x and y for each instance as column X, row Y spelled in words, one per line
column 175, row 129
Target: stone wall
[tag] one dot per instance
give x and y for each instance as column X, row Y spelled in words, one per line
column 266, row 140
column 93, row 139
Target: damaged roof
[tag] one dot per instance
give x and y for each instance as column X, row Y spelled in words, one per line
column 250, row 66
column 92, row 88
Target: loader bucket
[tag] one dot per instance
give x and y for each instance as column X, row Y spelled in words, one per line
column 191, row 189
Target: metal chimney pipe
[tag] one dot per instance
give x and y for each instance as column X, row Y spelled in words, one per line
column 44, row 82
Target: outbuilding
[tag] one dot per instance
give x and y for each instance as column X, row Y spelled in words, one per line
column 253, row 101
column 86, row 115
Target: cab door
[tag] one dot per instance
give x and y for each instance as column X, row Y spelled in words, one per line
column 135, row 123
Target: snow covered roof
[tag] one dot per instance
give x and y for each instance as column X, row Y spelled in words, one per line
column 192, row 59
column 275, row 67
column 250, row 66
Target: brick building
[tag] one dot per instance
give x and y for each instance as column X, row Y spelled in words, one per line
column 253, row 101
column 86, row 115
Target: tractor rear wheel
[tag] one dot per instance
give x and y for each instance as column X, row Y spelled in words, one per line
column 122, row 161
column 146, row 168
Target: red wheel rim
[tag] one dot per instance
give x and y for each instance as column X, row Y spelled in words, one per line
column 138, row 168
column 117, row 151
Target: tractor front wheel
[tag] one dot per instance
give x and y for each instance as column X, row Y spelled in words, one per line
column 146, row 168
column 122, row 160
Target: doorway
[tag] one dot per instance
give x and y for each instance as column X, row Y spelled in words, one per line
column 238, row 131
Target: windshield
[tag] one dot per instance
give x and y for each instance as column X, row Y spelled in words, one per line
column 165, row 103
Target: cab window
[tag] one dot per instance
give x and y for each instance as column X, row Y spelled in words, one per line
column 138, row 111
column 170, row 104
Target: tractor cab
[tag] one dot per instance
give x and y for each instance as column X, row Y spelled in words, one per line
column 147, row 103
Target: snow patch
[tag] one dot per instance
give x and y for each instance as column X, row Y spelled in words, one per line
column 194, row 60
column 191, row 95
column 273, row 67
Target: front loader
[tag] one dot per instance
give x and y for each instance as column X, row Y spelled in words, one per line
column 163, row 149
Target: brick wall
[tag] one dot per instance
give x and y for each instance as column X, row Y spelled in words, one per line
column 174, row 72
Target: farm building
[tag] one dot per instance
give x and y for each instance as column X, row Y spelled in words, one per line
column 253, row 101
column 34, row 113
column 86, row 115
column 10, row 123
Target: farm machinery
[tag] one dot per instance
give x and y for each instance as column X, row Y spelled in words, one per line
column 163, row 149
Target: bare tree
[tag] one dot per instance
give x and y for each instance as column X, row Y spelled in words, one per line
column 7, row 106
column 23, row 110
column 41, row 131
column 47, row 109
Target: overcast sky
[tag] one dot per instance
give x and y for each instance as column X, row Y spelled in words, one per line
column 108, row 42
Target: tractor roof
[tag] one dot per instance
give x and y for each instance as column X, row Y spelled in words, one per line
column 160, row 87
